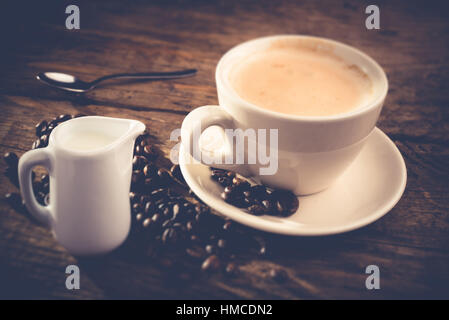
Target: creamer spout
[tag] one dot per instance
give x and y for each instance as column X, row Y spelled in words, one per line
column 136, row 128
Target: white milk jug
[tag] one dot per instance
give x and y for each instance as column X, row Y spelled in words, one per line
column 89, row 160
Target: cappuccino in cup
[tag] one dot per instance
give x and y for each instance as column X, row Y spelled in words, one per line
column 320, row 96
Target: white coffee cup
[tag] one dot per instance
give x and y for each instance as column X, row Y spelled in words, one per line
column 89, row 210
column 313, row 151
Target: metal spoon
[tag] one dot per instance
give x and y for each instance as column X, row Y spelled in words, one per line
column 71, row 83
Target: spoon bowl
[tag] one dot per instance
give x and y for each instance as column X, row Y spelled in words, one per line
column 64, row 81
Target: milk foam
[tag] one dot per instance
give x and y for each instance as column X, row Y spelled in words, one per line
column 301, row 81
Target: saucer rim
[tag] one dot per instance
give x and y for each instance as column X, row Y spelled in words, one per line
column 263, row 224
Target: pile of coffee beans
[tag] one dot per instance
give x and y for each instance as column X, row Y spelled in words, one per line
column 166, row 213
column 257, row 199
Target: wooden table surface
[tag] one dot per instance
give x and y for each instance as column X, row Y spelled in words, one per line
column 410, row 244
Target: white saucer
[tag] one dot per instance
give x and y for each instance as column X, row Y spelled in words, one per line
column 369, row 189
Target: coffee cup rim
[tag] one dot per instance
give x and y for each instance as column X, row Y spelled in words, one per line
column 221, row 79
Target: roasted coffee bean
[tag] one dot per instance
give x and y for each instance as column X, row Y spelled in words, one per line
column 150, row 170
column 234, row 195
column 170, row 235
column 230, row 174
column 53, row 123
column 166, row 212
column 268, row 205
column 211, row 263
column 221, row 172
column 257, row 209
column 143, row 138
column 137, row 177
column 217, row 173
column 159, row 194
column 195, row 253
column 229, row 190
column 43, row 141
column 149, row 207
column 210, row 249
column 224, row 181
column 45, row 178
column 182, row 215
column 11, row 159
column 188, row 206
column 138, row 150
column 227, row 226
column 165, row 235
column 133, row 197
column 189, row 226
column 149, row 152
column 286, row 202
column 144, row 198
column 258, row 192
column 163, row 175
column 139, row 162
column 41, row 128
column 139, row 217
column 36, row 144
column 156, row 218
column 232, row 190
column 166, row 223
column 147, row 223
column 49, row 129
column 137, row 207
column 63, row 117
column 175, row 210
column 221, row 243
column 178, row 226
column 176, row 173
column 240, row 184
column 248, row 201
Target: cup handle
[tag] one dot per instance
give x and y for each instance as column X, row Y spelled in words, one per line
column 194, row 125
column 27, row 162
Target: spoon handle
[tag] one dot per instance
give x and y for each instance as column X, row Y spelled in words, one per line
column 149, row 75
